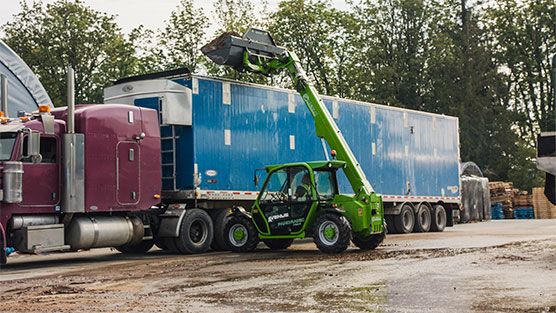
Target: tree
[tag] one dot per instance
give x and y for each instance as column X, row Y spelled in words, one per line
column 183, row 36
column 65, row 33
column 235, row 16
column 322, row 37
column 524, row 37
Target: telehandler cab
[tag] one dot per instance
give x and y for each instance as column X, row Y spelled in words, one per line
column 299, row 200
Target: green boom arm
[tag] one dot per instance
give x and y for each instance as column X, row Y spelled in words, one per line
column 324, row 123
column 256, row 52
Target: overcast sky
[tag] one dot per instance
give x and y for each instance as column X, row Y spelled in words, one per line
column 132, row 13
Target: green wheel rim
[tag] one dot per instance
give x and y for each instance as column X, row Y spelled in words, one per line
column 329, row 232
column 238, row 235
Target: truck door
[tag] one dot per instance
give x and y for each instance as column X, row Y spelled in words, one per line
column 127, row 164
column 41, row 181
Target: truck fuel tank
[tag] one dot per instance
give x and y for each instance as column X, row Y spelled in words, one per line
column 86, row 232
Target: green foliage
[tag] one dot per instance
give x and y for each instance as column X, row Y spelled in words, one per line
column 323, row 39
column 524, row 36
column 65, row 33
column 180, row 42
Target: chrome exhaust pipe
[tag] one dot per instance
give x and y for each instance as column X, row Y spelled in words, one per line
column 70, row 124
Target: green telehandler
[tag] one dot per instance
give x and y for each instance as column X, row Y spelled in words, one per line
column 299, row 200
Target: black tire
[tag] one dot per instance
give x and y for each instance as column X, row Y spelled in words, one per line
column 422, row 219
column 438, row 218
column 3, row 254
column 140, row 248
column 332, row 233
column 219, row 221
column 196, row 232
column 390, row 224
column 278, row 244
column 369, row 242
column 240, row 234
column 405, row 221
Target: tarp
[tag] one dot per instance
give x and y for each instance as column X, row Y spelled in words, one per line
column 25, row 91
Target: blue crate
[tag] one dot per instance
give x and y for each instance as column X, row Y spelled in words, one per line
column 524, row 213
column 497, row 211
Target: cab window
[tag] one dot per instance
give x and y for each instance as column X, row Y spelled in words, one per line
column 326, row 184
column 7, row 141
column 48, row 150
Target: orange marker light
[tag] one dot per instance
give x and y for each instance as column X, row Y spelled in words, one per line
column 24, row 118
column 44, row 109
column 157, row 196
column 2, row 114
column 333, row 153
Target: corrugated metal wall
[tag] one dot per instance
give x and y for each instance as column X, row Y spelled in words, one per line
column 240, row 128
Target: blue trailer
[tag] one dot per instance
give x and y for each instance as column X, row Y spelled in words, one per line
column 218, row 134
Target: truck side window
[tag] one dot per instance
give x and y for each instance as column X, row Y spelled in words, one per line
column 48, row 150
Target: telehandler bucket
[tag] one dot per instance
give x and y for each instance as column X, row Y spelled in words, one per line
column 229, row 48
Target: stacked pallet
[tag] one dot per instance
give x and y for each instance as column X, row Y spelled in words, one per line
column 542, row 207
column 503, row 193
column 522, row 199
column 497, row 211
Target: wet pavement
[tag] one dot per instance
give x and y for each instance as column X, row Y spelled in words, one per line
column 497, row 266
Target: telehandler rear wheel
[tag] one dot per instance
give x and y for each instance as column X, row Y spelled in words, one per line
column 278, row 244
column 332, row 233
column 369, row 242
column 240, row 234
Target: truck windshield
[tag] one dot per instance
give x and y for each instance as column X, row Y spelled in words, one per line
column 7, row 141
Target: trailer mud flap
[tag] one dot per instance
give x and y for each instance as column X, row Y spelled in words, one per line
column 170, row 222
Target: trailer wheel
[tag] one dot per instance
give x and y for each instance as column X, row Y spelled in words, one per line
column 368, row 242
column 332, row 233
column 422, row 219
column 140, row 248
column 219, row 221
column 196, row 232
column 240, row 234
column 278, row 244
column 438, row 220
column 405, row 221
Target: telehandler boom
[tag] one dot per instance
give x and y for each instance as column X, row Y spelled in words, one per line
column 300, row 199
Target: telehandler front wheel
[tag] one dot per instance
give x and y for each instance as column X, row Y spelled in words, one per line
column 332, row 233
column 240, row 234
column 368, row 242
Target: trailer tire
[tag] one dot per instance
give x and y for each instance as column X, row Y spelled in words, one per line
column 140, row 248
column 438, row 218
column 278, row 244
column 240, row 234
column 405, row 221
column 219, row 221
column 196, row 232
column 422, row 219
column 369, row 242
column 332, row 233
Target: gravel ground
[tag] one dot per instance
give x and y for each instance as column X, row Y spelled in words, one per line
column 498, row 266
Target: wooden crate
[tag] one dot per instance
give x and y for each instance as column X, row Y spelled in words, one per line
column 542, row 207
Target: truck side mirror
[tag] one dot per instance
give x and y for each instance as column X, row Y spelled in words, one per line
column 33, row 147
